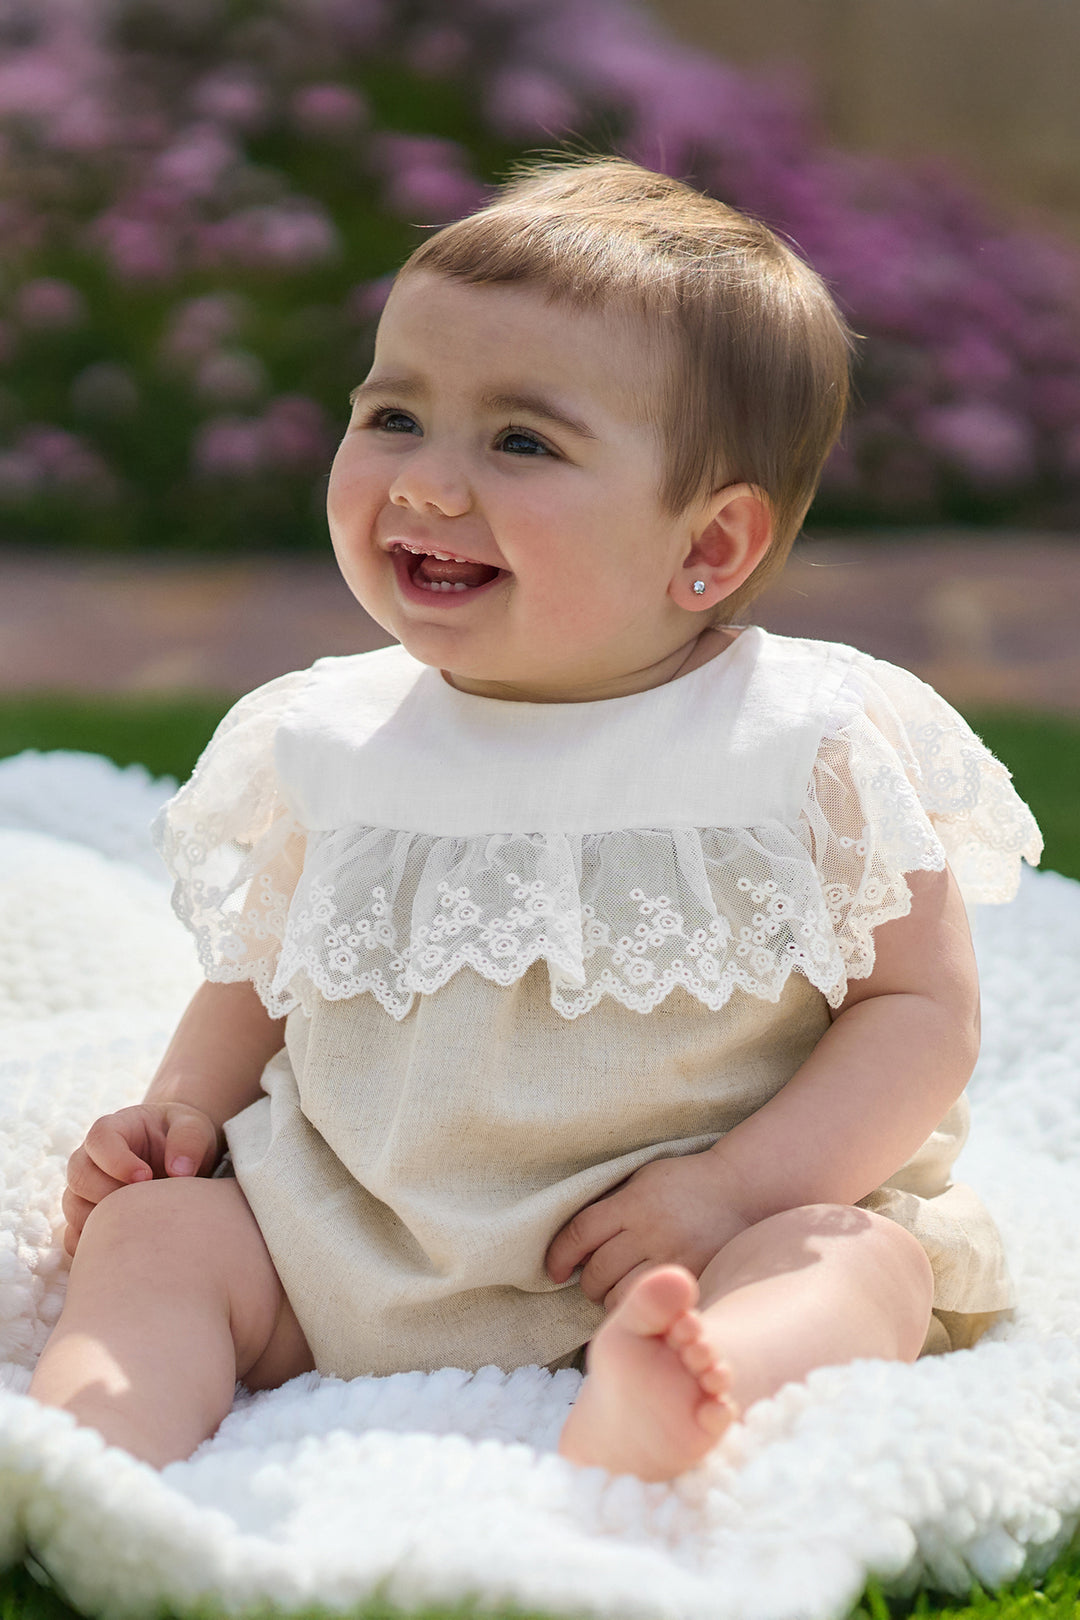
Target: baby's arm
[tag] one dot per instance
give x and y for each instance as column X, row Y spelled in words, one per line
column 899, row 1052
column 215, row 1059
column 210, row 1071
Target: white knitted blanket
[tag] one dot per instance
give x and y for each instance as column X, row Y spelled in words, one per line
column 424, row 1488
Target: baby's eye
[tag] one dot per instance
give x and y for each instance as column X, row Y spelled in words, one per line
column 392, row 421
column 521, row 443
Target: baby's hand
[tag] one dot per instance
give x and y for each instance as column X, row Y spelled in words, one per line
column 669, row 1210
column 141, row 1143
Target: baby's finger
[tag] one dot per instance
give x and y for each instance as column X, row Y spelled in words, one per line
column 86, row 1179
column 590, row 1227
column 108, row 1148
column 615, row 1295
column 76, row 1210
column 609, row 1265
column 190, row 1146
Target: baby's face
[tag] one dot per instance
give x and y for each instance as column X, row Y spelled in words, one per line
column 494, row 503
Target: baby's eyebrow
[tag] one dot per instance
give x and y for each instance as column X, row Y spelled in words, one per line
column 538, row 405
column 529, row 404
column 403, row 387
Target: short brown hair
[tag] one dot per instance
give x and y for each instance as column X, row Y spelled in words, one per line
column 759, row 381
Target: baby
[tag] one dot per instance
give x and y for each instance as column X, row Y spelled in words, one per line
column 590, row 969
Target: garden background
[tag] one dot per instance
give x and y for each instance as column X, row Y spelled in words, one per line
column 201, row 202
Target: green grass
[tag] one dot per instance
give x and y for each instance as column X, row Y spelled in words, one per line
column 167, row 734
column 1054, row 1597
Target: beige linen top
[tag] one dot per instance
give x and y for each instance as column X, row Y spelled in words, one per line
column 525, row 948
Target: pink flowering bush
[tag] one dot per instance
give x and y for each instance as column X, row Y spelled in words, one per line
column 201, row 206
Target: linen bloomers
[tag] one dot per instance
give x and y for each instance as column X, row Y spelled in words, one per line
column 524, row 949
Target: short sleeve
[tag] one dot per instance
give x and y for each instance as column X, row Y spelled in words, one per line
column 234, row 847
column 902, row 784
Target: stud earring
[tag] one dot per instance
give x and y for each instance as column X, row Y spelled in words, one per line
column 699, row 587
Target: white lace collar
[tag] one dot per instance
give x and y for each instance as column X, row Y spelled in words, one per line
column 381, row 740
column 363, row 828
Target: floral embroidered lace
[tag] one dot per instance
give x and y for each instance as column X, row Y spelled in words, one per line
column 629, row 914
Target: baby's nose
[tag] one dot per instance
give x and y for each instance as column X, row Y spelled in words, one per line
column 430, row 483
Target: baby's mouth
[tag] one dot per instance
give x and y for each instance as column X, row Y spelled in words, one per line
column 436, row 571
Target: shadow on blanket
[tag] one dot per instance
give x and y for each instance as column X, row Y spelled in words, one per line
column 436, row 1487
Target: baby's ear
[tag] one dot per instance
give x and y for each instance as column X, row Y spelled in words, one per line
column 735, row 534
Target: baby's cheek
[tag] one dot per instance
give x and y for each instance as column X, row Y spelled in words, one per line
column 342, row 488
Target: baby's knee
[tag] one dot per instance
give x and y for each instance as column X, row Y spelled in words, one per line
column 888, row 1267
column 151, row 1215
column 905, row 1280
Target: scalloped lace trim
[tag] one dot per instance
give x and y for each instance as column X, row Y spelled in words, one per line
column 629, row 914
column 653, row 942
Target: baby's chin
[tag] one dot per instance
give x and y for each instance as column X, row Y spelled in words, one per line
column 500, row 672
column 468, row 668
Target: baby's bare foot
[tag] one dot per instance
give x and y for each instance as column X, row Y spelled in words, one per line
column 655, row 1399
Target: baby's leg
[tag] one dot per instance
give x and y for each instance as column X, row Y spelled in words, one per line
column 807, row 1288
column 172, row 1298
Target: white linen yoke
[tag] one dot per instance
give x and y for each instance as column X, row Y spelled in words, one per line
column 464, row 906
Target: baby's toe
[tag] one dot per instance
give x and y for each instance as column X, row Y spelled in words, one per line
column 686, row 1329
column 697, row 1357
column 715, row 1379
column 714, row 1416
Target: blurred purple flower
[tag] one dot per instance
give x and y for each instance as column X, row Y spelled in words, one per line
column 196, row 160
column 35, row 83
column 198, row 325
column 232, row 377
column 392, row 151
column 328, row 109
column 106, row 390
column 228, row 447
column 138, row 249
column 86, row 125
column 432, row 196
column 438, row 52
column 351, row 24
column 1032, row 267
column 991, row 445
column 975, row 364
column 428, row 179
column 66, row 462
column 293, row 436
column 231, row 95
column 291, row 235
column 521, row 105
column 49, row 305
column 297, row 434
